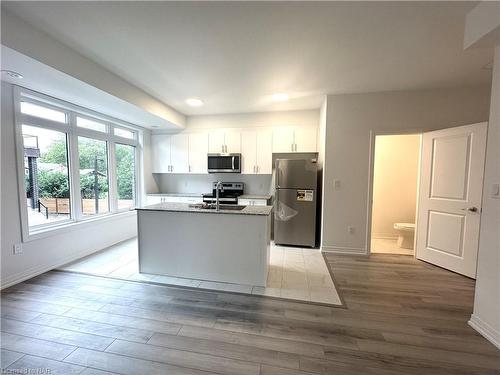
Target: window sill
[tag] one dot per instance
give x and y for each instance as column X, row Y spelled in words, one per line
column 76, row 225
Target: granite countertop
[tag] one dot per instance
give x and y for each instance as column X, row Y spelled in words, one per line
column 185, row 207
column 255, row 196
column 194, row 195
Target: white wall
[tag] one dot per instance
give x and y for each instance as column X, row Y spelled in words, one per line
column 486, row 317
column 43, row 254
column 395, row 175
column 350, row 120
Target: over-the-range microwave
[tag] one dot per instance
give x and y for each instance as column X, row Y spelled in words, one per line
column 224, row 163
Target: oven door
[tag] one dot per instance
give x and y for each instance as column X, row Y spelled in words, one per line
column 224, row 163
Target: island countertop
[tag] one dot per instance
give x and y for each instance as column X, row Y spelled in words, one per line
column 185, row 207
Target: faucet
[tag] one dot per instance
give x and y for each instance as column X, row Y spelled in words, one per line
column 218, row 187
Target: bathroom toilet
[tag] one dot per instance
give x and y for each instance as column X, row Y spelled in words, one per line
column 406, row 234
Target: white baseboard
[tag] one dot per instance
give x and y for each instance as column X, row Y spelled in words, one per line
column 35, row 271
column 487, row 331
column 343, row 250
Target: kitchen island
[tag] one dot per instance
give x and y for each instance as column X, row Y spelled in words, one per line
column 182, row 240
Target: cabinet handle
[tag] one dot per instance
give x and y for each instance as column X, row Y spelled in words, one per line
column 258, row 169
column 189, row 168
column 171, row 168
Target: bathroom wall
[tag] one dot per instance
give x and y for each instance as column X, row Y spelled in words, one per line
column 395, row 183
column 202, row 183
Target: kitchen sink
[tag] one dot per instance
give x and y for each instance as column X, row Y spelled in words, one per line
column 229, row 207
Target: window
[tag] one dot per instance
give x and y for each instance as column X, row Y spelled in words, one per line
column 94, row 185
column 43, row 112
column 46, row 175
column 90, row 124
column 125, row 176
column 55, row 138
column 124, row 133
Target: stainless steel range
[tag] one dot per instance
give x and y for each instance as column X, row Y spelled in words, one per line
column 228, row 195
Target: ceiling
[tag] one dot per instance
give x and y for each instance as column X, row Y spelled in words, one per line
column 234, row 56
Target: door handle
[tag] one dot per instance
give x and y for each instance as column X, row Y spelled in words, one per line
column 232, row 162
column 470, row 209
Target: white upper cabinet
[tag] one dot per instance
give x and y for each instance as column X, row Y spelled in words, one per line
column 161, row 153
column 256, row 150
column 305, row 138
column 224, row 141
column 198, row 150
column 295, row 139
column 264, row 162
column 216, row 141
column 179, row 162
column 283, row 139
column 248, row 151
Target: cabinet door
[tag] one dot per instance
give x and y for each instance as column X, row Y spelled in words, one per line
column 305, row 138
column 259, row 202
column 249, row 152
column 264, row 150
column 232, row 141
column 152, row 199
column 161, row 153
column 216, row 141
column 283, row 139
column 179, row 153
column 198, row 150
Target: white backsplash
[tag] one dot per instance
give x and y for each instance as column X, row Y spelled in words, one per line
column 202, row 183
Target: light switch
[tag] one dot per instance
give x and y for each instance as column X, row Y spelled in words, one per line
column 495, row 191
column 336, row 184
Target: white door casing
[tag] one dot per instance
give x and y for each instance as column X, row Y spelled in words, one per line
column 449, row 209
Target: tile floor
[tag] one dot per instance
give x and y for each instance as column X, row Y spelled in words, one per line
column 386, row 246
column 294, row 273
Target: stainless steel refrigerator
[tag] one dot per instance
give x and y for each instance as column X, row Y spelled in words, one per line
column 296, row 202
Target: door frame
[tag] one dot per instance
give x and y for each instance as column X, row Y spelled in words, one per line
column 371, row 174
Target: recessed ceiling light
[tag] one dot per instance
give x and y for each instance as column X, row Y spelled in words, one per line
column 280, row 97
column 194, row 102
column 12, row 74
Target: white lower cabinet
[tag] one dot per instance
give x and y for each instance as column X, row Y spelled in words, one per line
column 252, row 202
column 158, row 198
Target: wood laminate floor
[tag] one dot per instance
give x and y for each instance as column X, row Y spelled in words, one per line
column 403, row 316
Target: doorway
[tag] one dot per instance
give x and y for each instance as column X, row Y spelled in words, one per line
column 395, row 191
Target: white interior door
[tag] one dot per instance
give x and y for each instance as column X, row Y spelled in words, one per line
column 451, row 184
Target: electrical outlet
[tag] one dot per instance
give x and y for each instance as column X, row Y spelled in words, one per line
column 18, row 248
column 350, row 229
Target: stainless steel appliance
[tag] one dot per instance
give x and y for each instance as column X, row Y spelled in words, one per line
column 296, row 202
column 224, row 163
column 227, row 195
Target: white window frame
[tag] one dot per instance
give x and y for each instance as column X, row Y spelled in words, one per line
column 72, row 132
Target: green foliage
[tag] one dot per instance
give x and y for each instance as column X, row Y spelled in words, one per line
column 55, row 183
